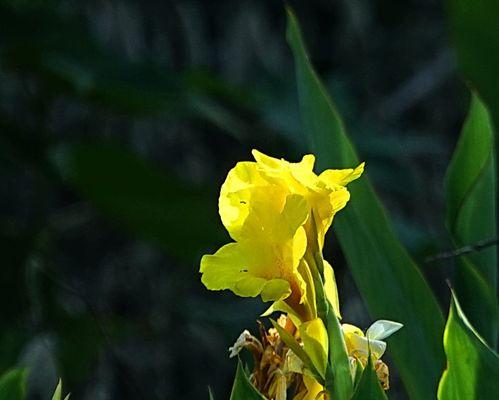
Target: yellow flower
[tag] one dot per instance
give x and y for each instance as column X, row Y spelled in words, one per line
column 276, row 211
column 270, row 244
column 326, row 194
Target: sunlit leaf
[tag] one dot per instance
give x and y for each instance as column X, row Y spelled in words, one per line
column 387, row 277
column 472, row 367
column 58, row 392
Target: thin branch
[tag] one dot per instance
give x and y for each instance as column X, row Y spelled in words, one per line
column 471, row 248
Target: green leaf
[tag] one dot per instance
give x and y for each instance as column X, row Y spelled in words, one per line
column 58, row 392
column 472, row 367
column 341, row 384
column 243, row 389
column 475, row 32
column 142, row 198
column 13, row 385
column 210, row 393
column 369, row 386
column 471, row 217
column 387, row 277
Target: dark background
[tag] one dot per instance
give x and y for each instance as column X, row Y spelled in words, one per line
column 118, row 123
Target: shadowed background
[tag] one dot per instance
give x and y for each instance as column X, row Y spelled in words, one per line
column 118, row 123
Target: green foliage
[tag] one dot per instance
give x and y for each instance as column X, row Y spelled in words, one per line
column 472, row 367
column 471, row 217
column 476, row 36
column 141, row 197
column 243, row 389
column 13, row 385
column 339, row 381
column 58, row 392
column 369, row 386
column 387, row 277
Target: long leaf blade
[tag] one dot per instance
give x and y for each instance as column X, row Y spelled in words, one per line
column 472, row 367
column 471, row 217
column 387, row 277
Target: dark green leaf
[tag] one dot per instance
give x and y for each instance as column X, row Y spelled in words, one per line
column 369, row 386
column 471, row 217
column 387, row 277
column 13, row 385
column 472, row 367
column 142, row 198
column 476, row 36
column 243, row 389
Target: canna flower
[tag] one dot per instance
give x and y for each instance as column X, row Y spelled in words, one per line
column 326, row 194
column 277, row 212
column 265, row 258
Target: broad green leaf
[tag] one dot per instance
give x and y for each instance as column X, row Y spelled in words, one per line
column 369, row 386
column 471, row 217
column 242, row 388
column 338, row 377
column 13, row 385
column 475, row 32
column 387, row 277
column 141, row 197
column 472, row 367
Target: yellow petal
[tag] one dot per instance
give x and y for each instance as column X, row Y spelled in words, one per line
column 341, row 177
column 235, row 195
column 330, row 288
column 267, row 161
column 315, row 343
column 231, row 267
column 311, row 391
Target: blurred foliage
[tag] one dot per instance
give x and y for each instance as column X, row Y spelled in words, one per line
column 118, row 121
column 12, row 385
